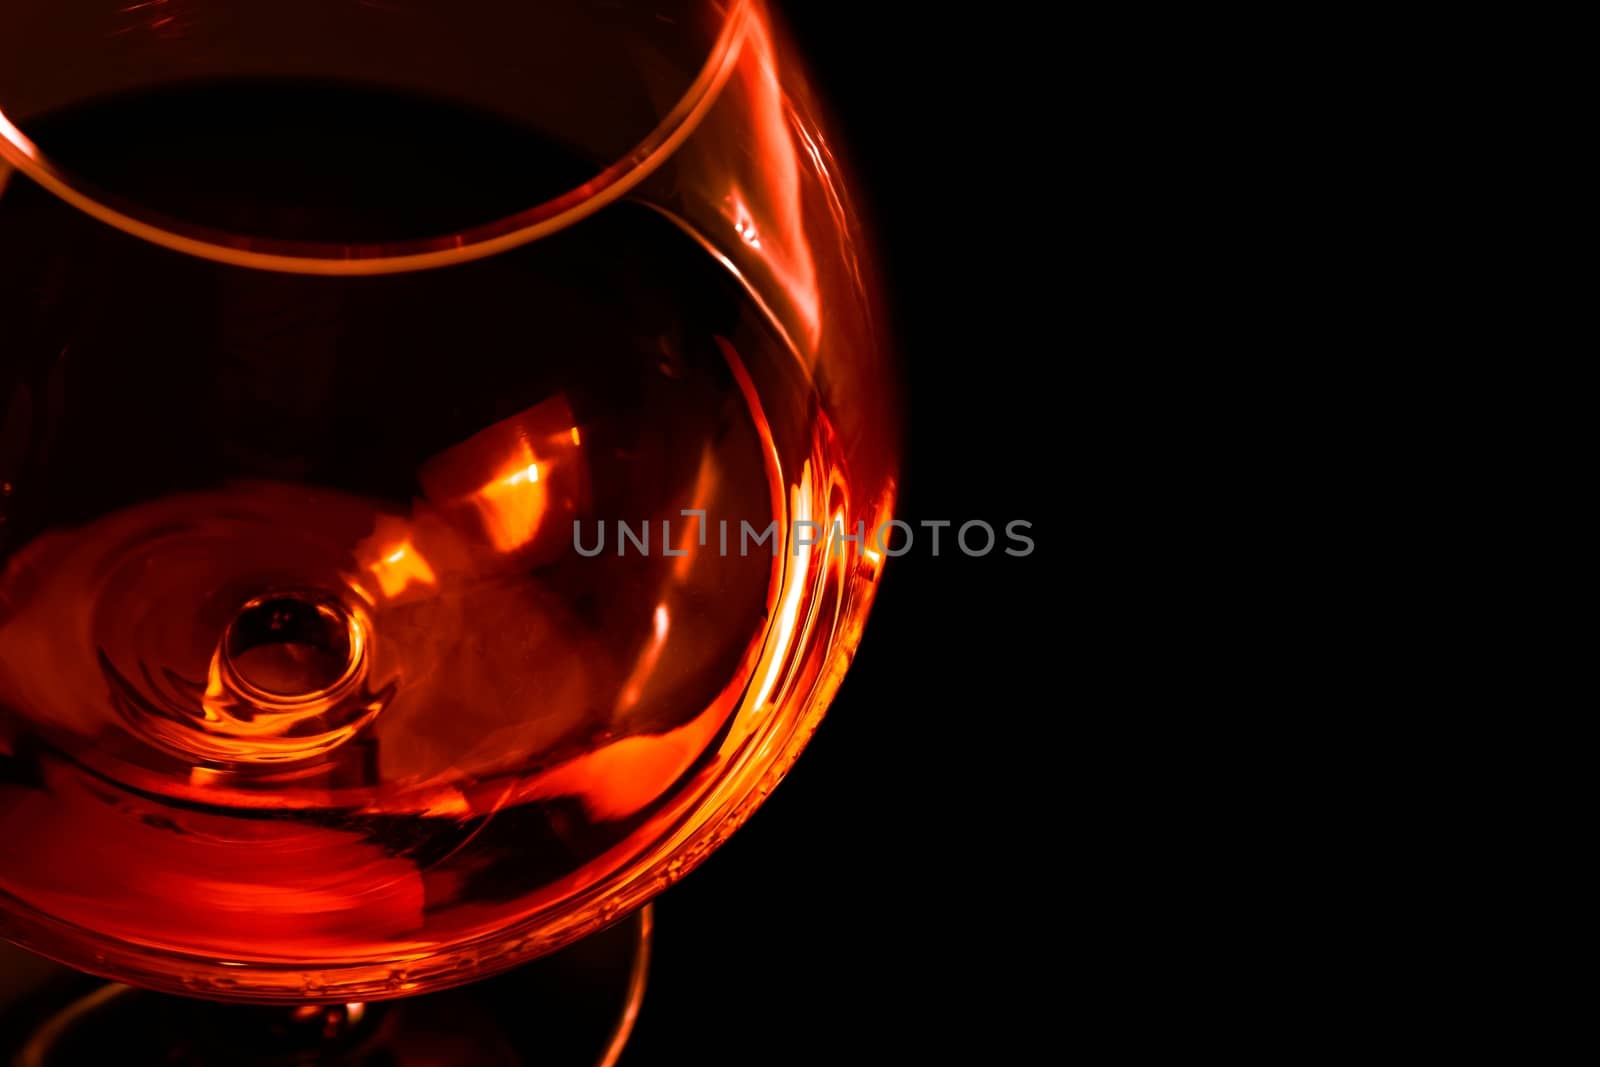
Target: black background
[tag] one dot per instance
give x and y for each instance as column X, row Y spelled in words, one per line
column 910, row 892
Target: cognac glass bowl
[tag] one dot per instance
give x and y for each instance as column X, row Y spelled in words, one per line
column 441, row 446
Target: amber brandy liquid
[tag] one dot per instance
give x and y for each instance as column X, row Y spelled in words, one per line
column 301, row 671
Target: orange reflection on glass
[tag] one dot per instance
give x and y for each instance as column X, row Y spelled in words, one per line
column 391, row 556
column 399, row 568
column 508, row 485
column 646, row 663
column 489, row 502
column 706, row 480
column 339, row 889
column 796, row 555
column 625, row 776
column 512, row 506
column 774, row 223
column 15, row 141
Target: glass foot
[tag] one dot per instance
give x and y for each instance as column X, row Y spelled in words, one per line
column 573, row 1007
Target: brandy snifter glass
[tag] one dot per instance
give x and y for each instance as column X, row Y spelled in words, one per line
column 442, row 448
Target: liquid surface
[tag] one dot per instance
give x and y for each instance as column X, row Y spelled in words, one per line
column 300, row 664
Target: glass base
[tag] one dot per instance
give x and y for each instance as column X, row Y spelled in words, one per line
column 573, row 1007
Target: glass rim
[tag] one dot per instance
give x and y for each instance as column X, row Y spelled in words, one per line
column 393, row 257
